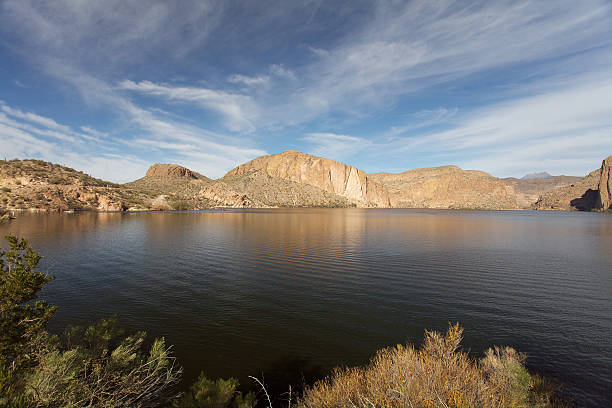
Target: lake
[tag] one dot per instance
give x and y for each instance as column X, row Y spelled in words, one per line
column 276, row 293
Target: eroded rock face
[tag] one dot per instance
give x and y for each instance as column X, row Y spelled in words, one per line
column 581, row 195
column 331, row 176
column 106, row 203
column 528, row 191
column 166, row 171
column 447, row 187
column 225, row 196
column 605, row 184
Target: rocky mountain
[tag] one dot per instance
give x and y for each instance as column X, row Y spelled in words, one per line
column 260, row 187
column 42, row 185
column 294, row 179
column 528, row 191
column 175, row 187
column 172, row 187
column 532, row 176
column 589, row 193
column 330, row 176
column 447, row 187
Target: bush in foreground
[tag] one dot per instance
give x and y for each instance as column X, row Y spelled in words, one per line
column 437, row 375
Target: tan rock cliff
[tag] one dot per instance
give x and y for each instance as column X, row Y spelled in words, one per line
column 529, row 190
column 605, row 184
column 328, row 175
column 581, row 195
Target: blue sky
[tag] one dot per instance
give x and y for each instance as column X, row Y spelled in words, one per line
column 509, row 87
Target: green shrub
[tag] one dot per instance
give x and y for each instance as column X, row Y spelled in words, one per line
column 219, row 393
column 437, row 375
column 57, row 180
column 21, row 320
column 98, row 367
column 180, row 205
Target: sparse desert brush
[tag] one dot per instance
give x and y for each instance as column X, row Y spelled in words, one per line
column 437, row 375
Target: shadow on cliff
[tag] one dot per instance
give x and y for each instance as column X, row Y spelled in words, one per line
column 587, row 202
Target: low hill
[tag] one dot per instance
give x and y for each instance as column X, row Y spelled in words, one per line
column 37, row 184
column 447, row 187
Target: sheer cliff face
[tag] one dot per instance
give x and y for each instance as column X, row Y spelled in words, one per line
column 447, row 187
column 605, row 184
column 590, row 193
column 328, row 175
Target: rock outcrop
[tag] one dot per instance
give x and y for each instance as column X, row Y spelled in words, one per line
column 169, row 171
column 265, row 190
column 447, row 187
column 581, row 195
column 328, row 175
column 224, row 196
column 605, row 185
column 528, row 191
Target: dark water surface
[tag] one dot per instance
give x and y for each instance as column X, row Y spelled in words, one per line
column 243, row 293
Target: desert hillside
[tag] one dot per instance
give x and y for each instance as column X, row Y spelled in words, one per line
column 294, row 179
column 447, row 187
column 173, row 187
column 47, row 186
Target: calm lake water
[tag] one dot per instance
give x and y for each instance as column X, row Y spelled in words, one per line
column 274, row 293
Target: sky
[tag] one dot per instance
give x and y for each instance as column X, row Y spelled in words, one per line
column 508, row 87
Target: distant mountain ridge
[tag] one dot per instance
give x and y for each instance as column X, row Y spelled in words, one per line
column 532, row 176
column 295, row 179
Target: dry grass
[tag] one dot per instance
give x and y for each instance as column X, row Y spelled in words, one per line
column 437, row 375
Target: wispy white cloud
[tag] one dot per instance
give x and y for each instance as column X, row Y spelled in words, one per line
column 236, row 109
column 410, row 46
column 572, row 124
column 319, row 52
column 335, row 146
column 93, row 132
column 41, row 125
column 248, row 80
column 122, row 31
column 31, row 117
column 281, row 71
column 23, row 140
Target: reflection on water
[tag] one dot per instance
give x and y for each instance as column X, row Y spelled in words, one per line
column 287, row 291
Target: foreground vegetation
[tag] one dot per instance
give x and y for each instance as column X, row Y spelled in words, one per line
column 98, row 366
